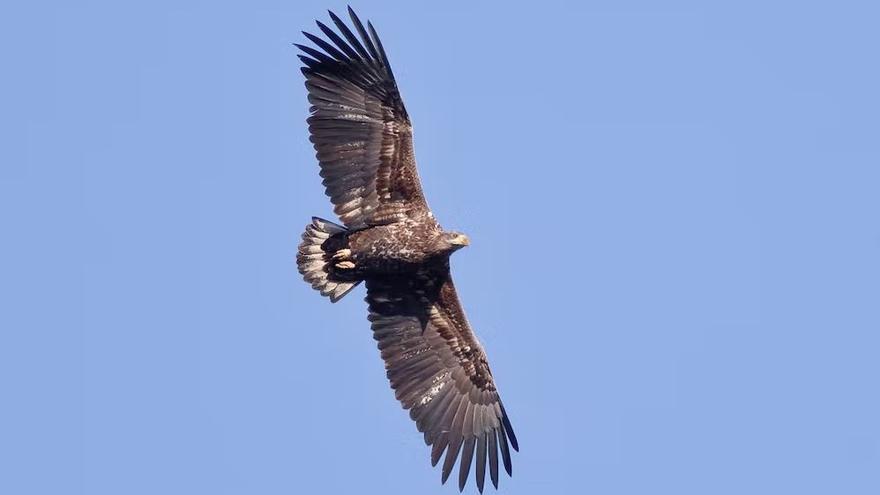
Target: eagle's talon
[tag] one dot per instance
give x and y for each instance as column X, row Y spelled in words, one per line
column 342, row 254
column 344, row 265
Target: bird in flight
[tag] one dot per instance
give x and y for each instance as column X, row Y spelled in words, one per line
column 391, row 241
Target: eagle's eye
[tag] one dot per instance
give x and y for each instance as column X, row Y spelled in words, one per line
column 459, row 240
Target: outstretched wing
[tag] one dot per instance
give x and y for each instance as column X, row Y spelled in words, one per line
column 439, row 372
column 360, row 128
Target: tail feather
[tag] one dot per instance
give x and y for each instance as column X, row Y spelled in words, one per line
column 314, row 258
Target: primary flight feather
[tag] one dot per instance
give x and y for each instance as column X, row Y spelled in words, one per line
column 390, row 241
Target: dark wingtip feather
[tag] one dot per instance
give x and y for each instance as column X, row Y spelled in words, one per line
column 481, row 462
column 493, row 457
column 312, row 37
column 505, row 452
column 339, row 42
column 352, row 39
column 327, row 47
column 309, row 62
column 355, row 58
column 509, row 428
column 364, row 36
column 437, row 449
column 378, row 43
column 464, row 468
column 451, row 457
column 326, row 30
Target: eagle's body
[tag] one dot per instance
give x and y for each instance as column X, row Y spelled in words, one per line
column 391, row 241
column 398, row 247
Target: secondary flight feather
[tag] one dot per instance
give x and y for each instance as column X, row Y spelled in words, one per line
column 390, row 240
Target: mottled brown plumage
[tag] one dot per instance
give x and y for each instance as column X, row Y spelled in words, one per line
column 391, row 241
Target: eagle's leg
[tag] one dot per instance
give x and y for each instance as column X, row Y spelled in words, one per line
column 342, row 259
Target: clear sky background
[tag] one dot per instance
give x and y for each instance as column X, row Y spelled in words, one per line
column 675, row 260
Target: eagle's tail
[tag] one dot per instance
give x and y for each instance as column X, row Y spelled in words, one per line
column 315, row 258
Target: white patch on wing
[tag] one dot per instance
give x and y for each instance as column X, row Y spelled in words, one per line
column 439, row 382
column 356, row 117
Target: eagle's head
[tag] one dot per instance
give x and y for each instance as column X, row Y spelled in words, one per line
column 453, row 241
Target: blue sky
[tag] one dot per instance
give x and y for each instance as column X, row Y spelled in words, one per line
column 674, row 268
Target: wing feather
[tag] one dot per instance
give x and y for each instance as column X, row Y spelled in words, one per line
column 451, row 456
column 359, row 127
column 439, row 372
column 352, row 39
column 481, row 461
column 493, row 456
column 438, row 448
column 505, row 452
column 467, row 455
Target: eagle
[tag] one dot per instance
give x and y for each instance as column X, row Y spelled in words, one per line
column 390, row 240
